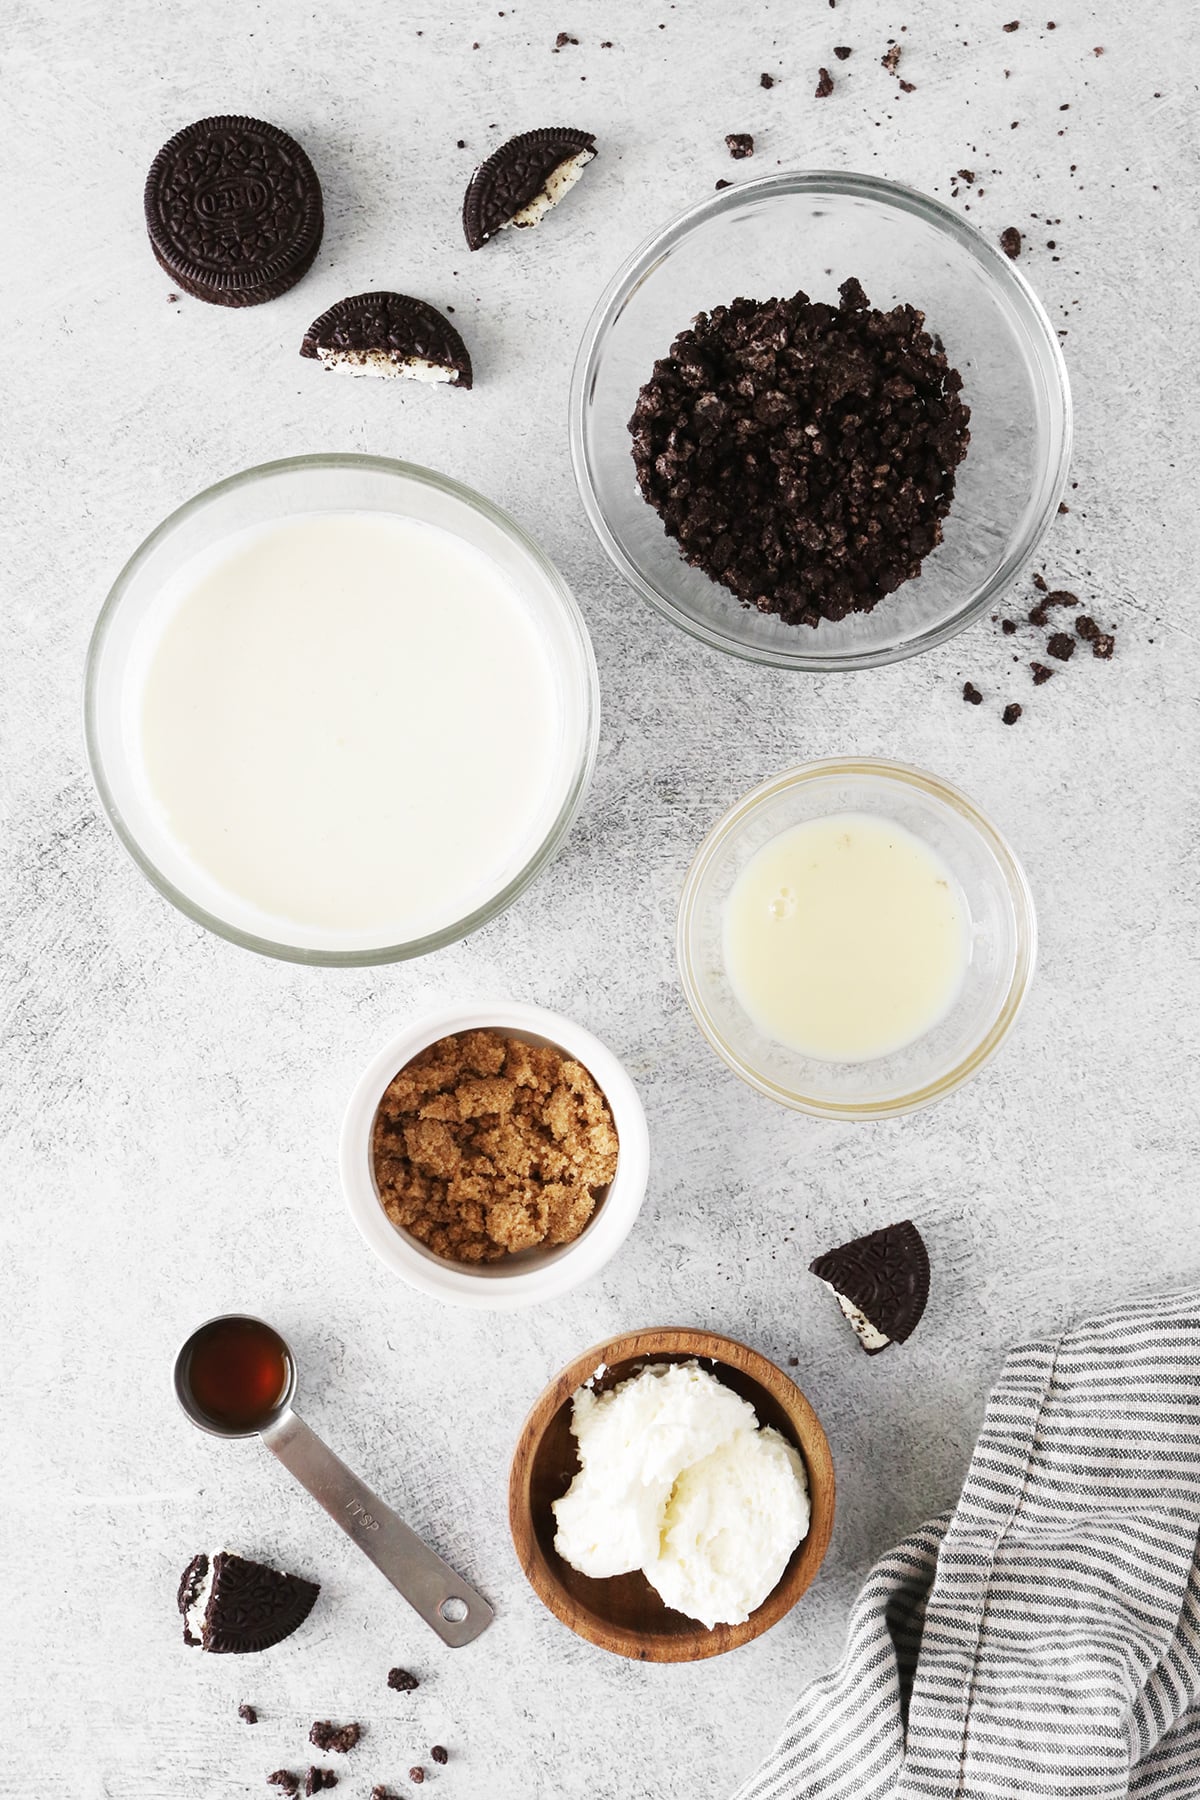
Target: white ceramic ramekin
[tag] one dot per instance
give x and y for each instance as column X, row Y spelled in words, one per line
column 531, row 1275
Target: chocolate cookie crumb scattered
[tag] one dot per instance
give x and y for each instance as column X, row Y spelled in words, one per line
column 765, row 80
column 1008, row 626
column 971, row 694
column 891, row 58
column 824, row 85
column 803, row 454
column 1103, row 645
column 283, row 1778
column 1011, row 713
column 247, row 1713
column 1039, row 582
column 327, row 1736
column 485, row 1145
column 440, row 1754
column 1013, row 25
column 908, row 87
column 317, row 1780
column 1062, row 505
column 740, row 145
column 722, row 184
column 416, row 1775
column 1010, row 242
column 967, row 175
column 382, row 1793
column 1061, row 646
column 563, row 39
column 1041, row 674
column 401, row 1681
column 842, row 51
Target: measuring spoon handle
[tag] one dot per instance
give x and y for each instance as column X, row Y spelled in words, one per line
column 428, row 1584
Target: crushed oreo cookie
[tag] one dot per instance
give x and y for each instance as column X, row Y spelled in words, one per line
column 739, row 144
column 317, row 1780
column 891, row 58
column 416, row 1775
column 328, row 1736
column 402, row 1682
column 1010, row 242
column 247, row 1714
column 283, row 1778
column 971, row 694
column 440, row 1754
column 1061, row 646
column 233, row 1606
column 842, row 51
column 880, row 1282
column 824, row 84
column 803, row 454
column 1012, row 713
column 765, row 80
column 1041, row 673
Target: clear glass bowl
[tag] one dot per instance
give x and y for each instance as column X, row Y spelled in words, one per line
column 278, row 490
column 1003, row 937
column 812, row 230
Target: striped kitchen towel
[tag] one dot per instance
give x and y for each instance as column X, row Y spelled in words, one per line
column 1043, row 1639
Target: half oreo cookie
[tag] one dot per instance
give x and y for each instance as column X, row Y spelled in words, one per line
column 231, row 1605
column 881, row 1283
column 389, row 335
column 234, row 211
column 523, row 179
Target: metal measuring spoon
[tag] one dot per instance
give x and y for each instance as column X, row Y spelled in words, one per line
column 443, row 1599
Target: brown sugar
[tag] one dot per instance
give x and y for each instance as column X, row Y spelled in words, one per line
column 485, row 1145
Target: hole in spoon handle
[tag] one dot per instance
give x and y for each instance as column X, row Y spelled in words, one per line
column 447, row 1603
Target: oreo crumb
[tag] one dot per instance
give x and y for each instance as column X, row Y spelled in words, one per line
column 317, row 1780
column 1061, row 646
column 891, row 58
column 382, row 1793
column 1008, row 626
column 1103, row 645
column 1086, row 627
column 1011, row 713
column 1039, row 582
column 172, row 299
column 740, row 145
column 967, row 175
column 765, row 80
column 1062, row 505
column 247, row 1713
column 327, row 1736
column 908, row 87
column 440, row 1754
column 793, row 1362
column 801, row 454
column 971, row 694
column 283, row 1778
column 824, row 85
column 563, row 39
column 402, row 1681
column 1041, row 673
column 416, row 1775
column 462, row 143
column 842, row 51
column 1013, row 25
column 722, row 184
column 1099, row 50
column 1010, row 242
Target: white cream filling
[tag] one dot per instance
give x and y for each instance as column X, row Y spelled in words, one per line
column 193, row 1618
column 872, row 1337
column 385, row 363
column 558, row 182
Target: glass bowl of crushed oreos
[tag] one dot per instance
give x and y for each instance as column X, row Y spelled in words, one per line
column 820, row 422
column 994, row 946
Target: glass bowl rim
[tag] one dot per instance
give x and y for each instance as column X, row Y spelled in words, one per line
column 544, row 853
column 999, row 269
column 1019, row 979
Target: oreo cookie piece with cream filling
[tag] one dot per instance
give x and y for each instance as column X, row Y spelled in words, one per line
column 880, row 1282
column 389, row 335
column 231, row 1605
column 523, row 179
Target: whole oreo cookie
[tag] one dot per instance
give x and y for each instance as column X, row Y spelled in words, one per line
column 880, row 1282
column 234, row 211
column 523, row 179
column 389, row 335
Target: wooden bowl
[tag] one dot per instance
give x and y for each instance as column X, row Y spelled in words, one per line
column 623, row 1613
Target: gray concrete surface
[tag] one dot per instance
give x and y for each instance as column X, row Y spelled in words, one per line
column 172, row 1104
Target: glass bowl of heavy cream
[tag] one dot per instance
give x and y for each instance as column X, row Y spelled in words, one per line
column 340, row 709
column 855, row 938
